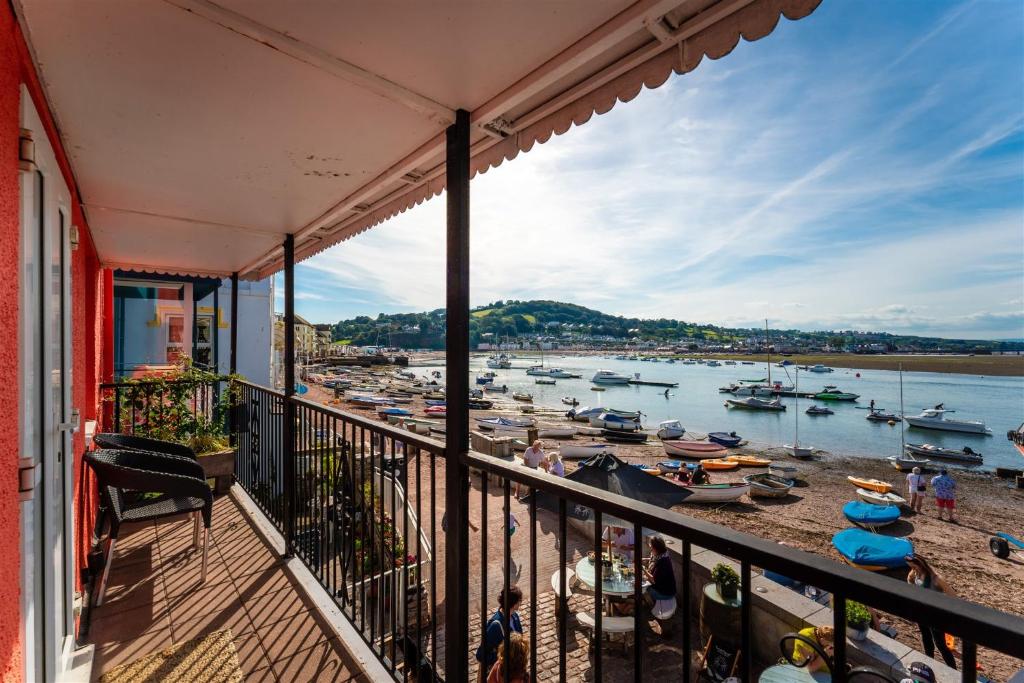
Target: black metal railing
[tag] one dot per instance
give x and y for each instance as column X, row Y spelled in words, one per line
column 357, row 504
column 145, row 407
column 360, row 503
column 975, row 625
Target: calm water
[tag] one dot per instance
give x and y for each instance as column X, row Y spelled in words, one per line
column 999, row 401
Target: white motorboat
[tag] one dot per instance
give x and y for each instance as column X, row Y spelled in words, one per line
column 965, row 455
column 819, row 368
column 609, row 377
column 500, row 362
column 537, row 370
column 935, row 418
column 670, row 429
column 545, row 380
column 876, row 498
column 713, row 363
column 559, row 373
column 754, row 403
column 908, row 462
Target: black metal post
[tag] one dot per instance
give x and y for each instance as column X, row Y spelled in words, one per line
column 457, row 396
column 288, row 418
column 233, row 358
column 234, row 324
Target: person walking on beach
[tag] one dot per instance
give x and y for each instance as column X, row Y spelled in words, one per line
column 494, row 633
column 532, row 458
column 921, row 574
column 945, row 493
column 917, row 489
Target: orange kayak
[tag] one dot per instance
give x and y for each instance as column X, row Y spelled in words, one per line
column 748, row 460
column 719, row 464
column 870, row 484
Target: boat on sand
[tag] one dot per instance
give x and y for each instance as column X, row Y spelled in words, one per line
column 714, row 493
column 876, row 498
column 870, row 484
column 693, row 449
column 768, row 486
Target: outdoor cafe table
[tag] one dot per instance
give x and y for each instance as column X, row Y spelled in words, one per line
column 613, row 585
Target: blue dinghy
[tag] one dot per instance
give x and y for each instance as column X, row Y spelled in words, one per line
column 871, row 516
column 728, row 439
column 873, row 552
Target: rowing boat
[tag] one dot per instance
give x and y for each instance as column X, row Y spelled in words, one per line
column 768, row 486
column 876, row 498
column 713, row 493
column 693, row 449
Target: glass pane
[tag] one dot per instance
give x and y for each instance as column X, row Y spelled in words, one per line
column 204, row 330
column 175, row 329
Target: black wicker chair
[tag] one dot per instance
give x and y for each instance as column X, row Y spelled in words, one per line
column 127, row 442
column 180, row 481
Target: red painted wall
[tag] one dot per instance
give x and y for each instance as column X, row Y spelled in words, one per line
column 10, row 553
column 90, row 355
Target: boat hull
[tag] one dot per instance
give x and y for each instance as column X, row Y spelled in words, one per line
column 768, row 486
column 876, row 498
column 714, row 493
column 870, row 484
column 945, row 454
column 583, row 451
column 947, row 425
column 696, row 450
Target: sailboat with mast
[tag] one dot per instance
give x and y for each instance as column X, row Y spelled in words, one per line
column 795, row 449
column 752, row 402
column 905, row 460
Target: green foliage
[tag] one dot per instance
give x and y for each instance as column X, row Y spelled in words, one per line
column 725, row 575
column 169, row 407
column 857, row 615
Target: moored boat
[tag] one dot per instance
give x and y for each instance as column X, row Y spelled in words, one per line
column 714, row 493
column 749, row 460
column 728, row 439
column 799, row 452
column 819, row 410
column 870, row 516
column 670, row 429
column 787, row 472
column 876, row 498
column 544, row 380
column 623, row 436
column 965, row 455
column 570, row 401
column 874, row 552
column 935, row 418
column 754, row 403
column 521, row 396
column 831, row 393
column 908, row 462
column 882, row 416
column 616, row 422
column 876, row 485
column 556, row 431
column 584, row 414
column 768, row 485
column 699, row 450
column 479, row 404
column 491, row 422
column 583, row 451
column 609, row 377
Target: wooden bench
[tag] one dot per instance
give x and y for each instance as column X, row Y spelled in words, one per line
column 610, row 626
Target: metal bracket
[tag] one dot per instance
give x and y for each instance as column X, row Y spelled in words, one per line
column 26, row 151
column 26, row 478
column 74, row 424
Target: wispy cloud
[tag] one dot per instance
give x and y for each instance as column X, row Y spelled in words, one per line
column 847, row 171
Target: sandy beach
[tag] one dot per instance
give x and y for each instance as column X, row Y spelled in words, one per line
column 810, row 516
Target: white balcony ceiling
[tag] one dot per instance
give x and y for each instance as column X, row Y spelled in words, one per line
column 200, row 133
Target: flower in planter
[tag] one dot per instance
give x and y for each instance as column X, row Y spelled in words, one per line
column 726, row 578
column 858, row 617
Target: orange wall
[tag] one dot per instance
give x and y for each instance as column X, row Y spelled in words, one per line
column 88, row 301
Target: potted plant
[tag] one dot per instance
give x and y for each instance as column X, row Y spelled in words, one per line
column 726, row 579
column 858, row 619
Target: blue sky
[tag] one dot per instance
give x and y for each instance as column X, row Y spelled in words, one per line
column 859, row 169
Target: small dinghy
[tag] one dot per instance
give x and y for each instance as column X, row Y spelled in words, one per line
column 670, row 429
column 907, row 462
column 583, row 451
column 713, row 493
column 397, row 412
column 435, row 402
column 870, row 516
column 768, row 486
column 624, row 437
column 874, row 552
column 588, row 431
column 728, row 439
column 647, row 469
column 819, row 410
column 790, row 472
column 876, row 498
column 719, row 464
column 521, row 396
column 870, row 484
column 492, row 422
column 584, row 414
column 672, row 466
column 479, row 404
column 570, row 401
column 436, row 411
column 749, row 460
column 544, row 380
column 616, row 422
column 693, row 449
column 555, row 432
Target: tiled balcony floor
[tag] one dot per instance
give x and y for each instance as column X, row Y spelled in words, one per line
column 154, row 599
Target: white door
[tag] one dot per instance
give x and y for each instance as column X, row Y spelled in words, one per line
column 46, row 411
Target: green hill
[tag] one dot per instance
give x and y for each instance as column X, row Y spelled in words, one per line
column 513, row 319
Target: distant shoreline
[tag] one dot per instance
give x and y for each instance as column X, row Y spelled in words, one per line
column 990, row 366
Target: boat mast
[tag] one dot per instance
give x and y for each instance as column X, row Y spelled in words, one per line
column 796, row 410
column 903, row 443
column 768, row 348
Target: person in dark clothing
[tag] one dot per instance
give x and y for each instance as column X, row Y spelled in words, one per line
column 494, row 635
column 921, row 574
column 700, row 476
column 658, row 570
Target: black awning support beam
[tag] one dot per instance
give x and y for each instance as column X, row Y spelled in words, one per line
column 457, row 397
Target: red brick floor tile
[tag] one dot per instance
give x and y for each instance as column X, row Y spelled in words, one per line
column 325, row 661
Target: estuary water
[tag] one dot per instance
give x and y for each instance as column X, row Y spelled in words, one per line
column 697, row 403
